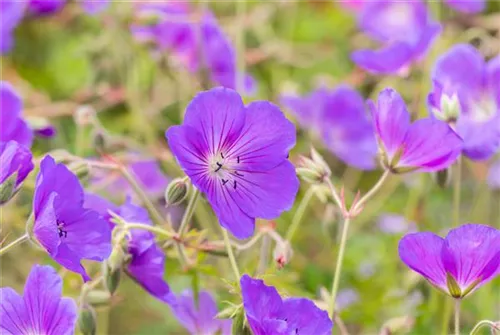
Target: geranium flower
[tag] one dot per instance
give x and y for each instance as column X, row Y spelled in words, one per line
column 237, row 156
column 41, row 309
column 68, row 231
column 12, row 14
column 16, row 163
column 13, row 126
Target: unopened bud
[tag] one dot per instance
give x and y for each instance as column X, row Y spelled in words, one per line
column 100, row 140
column 282, row 254
column 117, row 258
column 450, row 109
column 87, row 320
column 313, row 170
column 176, row 191
column 84, row 115
column 98, row 297
column 239, row 324
column 442, row 178
column 111, row 278
column 8, row 188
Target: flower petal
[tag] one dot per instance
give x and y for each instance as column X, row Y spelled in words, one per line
column 15, row 158
column 388, row 60
column 467, row 6
column 45, row 227
column 265, row 139
column 304, row 317
column 493, row 79
column 391, row 119
column 430, row 145
column 13, row 127
column 14, row 318
column 200, row 318
column 421, row 252
column 481, row 139
column 259, row 300
column 70, row 260
column 218, row 115
column 472, row 253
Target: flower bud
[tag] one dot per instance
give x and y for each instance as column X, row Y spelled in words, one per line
column 442, row 178
column 87, row 320
column 313, row 170
column 8, row 188
column 176, row 191
column 449, row 109
column 282, row 254
column 116, row 258
column 15, row 160
column 239, row 324
column 81, row 169
column 112, row 277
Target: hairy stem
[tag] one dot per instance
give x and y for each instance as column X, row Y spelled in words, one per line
column 154, row 229
column 492, row 325
column 457, row 185
column 188, row 214
column 14, row 243
column 457, row 316
column 373, row 190
column 299, row 214
column 230, row 253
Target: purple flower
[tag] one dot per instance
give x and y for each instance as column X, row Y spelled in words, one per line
column 41, row 309
column 462, row 74
column 394, row 224
column 193, row 44
column 101, row 206
column 46, row 7
column 462, row 262
column 200, row 319
column 494, row 176
column 341, row 119
column 268, row 314
column 467, row 6
column 425, row 145
column 13, row 127
column 405, row 30
column 12, row 13
column 93, row 7
column 16, row 163
column 237, row 156
column 68, row 231
column 147, row 264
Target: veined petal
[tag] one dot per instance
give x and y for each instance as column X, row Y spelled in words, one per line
column 481, row 139
column 45, row 227
column 15, row 157
column 430, row 145
column 200, row 318
column 421, row 252
column 266, row 194
column 70, row 260
column 387, row 60
column 260, row 301
column 12, row 127
column 472, row 253
column 265, row 139
column 304, row 317
column 14, row 318
column 391, row 119
column 218, row 115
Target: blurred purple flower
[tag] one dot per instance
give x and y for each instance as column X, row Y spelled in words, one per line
column 68, row 231
column 15, row 161
column 93, row 7
column 194, row 44
column 394, row 224
column 13, row 127
column 459, row 264
column 147, row 265
column 426, row 145
column 467, row 6
column 267, row 313
column 494, row 176
column 46, row 7
column 405, row 30
column 346, row 298
column 341, row 119
column 237, row 156
column 201, row 318
column 41, row 309
column 461, row 73
column 12, row 12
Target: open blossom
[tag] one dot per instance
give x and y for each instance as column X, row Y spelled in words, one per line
column 41, row 309
column 13, row 126
column 467, row 258
column 237, row 156
column 200, row 318
column 68, row 231
column 425, row 145
column 405, row 30
column 340, row 118
column 15, row 162
column 12, row 12
column 267, row 313
column 194, row 44
column 461, row 78
column 467, row 6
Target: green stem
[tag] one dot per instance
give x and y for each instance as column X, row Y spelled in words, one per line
column 373, row 190
column 338, row 266
column 447, row 310
column 14, row 243
column 457, row 316
column 299, row 214
column 154, row 229
column 86, row 288
column 456, row 192
column 188, row 214
column 155, row 215
column 230, row 253
column 480, row 324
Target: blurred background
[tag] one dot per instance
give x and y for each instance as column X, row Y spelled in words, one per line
column 120, row 62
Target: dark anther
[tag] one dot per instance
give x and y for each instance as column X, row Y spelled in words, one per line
column 234, row 186
column 224, row 181
column 288, row 155
column 238, row 159
column 238, row 174
column 222, row 155
column 219, row 166
column 61, row 232
column 296, row 330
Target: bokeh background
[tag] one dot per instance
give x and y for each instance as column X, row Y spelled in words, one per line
column 69, row 59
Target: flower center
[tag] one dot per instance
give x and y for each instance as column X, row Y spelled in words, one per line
column 225, row 168
column 60, row 229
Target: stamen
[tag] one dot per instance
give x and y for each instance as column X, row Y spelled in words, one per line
column 224, row 181
column 238, row 159
column 219, row 166
column 61, row 232
column 237, row 173
column 234, row 184
column 222, row 155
